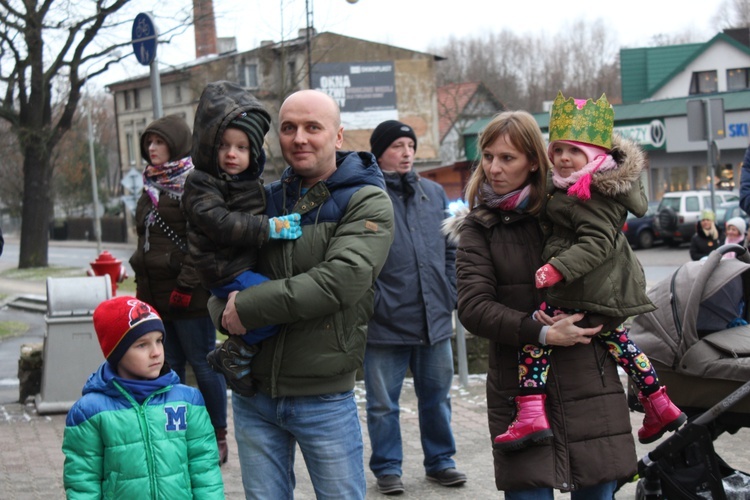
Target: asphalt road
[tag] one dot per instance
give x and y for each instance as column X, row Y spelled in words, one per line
column 658, row 262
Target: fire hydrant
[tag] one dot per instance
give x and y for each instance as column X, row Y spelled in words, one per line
column 107, row 264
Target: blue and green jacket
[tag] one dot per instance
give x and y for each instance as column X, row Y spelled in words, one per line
column 147, row 439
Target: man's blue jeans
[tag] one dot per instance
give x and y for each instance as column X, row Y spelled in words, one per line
column 328, row 432
column 603, row 491
column 189, row 341
column 385, row 369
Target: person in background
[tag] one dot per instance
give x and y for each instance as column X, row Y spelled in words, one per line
column 412, row 323
column 499, row 250
column 165, row 274
column 137, row 432
column 706, row 238
column 224, row 203
column 745, row 182
column 321, row 293
column 734, row 232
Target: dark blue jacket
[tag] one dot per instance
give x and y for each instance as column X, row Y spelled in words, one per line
column 415, row 293
column 745, row 182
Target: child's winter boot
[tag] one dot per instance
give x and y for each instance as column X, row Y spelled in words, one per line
column 232, row 359
column 661, row 415
column 530, row 427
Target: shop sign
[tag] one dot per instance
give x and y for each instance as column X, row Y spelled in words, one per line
column 737, row 130
column 651, row 135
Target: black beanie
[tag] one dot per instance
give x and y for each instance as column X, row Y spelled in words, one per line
column 256, row 126
column 387, row 132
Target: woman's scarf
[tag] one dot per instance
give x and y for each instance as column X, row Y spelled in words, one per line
column 579, row 183
column 712, row 233
column 169, row 177
column 515, row 200
column 737, row 240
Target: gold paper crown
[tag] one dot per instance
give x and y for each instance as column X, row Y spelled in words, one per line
column 592, row 124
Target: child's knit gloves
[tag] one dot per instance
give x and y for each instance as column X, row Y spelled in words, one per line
column 547, row 275
column 180, row 298
column 285, row 227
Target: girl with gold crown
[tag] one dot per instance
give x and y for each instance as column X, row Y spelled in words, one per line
column 595, row 182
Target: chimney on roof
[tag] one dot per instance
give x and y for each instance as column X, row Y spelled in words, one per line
column 204, row 24
column 742, row 35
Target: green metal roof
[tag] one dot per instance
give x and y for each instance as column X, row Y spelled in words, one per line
column 643, row 71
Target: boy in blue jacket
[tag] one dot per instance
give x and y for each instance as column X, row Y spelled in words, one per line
column 137, row 432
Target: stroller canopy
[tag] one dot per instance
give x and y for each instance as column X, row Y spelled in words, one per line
column 670, row 335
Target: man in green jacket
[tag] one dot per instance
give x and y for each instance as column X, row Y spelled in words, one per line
column 321, row 293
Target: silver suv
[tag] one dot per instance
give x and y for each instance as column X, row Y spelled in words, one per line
column 680, row 211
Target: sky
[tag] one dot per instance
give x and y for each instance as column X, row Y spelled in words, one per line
column 419, row 24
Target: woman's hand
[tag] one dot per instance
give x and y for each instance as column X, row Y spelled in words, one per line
column 565, row 333
column 230, row 320
column 548, row 320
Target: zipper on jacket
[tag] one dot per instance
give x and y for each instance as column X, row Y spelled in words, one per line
column 675, row 312
column 568, row 479
column 143, row 423
column 600, row 360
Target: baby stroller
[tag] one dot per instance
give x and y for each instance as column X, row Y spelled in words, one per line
column 699, row 342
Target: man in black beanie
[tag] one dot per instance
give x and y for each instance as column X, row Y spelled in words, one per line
column 411, row 327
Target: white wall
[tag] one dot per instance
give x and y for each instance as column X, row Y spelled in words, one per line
column 720, row 56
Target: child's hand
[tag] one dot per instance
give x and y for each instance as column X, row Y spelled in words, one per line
column 180, row 298
column 285, row 227
column 547, row 275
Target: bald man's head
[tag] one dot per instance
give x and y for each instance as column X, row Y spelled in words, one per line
column 310, row 132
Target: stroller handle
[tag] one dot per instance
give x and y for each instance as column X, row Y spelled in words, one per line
column 739, row 250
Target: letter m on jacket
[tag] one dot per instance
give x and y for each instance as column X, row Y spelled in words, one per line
column 176, row 418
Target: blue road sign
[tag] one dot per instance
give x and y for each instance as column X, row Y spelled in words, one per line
column 144, row 38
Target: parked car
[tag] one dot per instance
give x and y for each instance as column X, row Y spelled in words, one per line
column 679, row 211
column 729, row 210
column 640, row 231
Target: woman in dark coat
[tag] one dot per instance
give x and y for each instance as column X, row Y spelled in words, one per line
column 500, row 247
column 164, row 273
column 706, row 238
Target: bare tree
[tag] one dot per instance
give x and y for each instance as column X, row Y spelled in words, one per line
column 526, row 70
column 49, row 49
column 71, row 159
column 11, row 172
column 732, row 14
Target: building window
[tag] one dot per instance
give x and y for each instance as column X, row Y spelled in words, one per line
column 136, row 99
column 701, row 178
column 737, row 79
column 178, row 93
column 703, row 82
column 131, row 148
column 128, row 105
column 249, row 76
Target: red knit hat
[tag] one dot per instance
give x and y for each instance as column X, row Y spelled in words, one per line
column 121, row 321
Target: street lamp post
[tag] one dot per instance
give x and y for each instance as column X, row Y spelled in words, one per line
column 94, row 184
column 308, row 26
column 308, row 38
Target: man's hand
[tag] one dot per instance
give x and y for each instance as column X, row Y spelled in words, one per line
column 230, row 320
